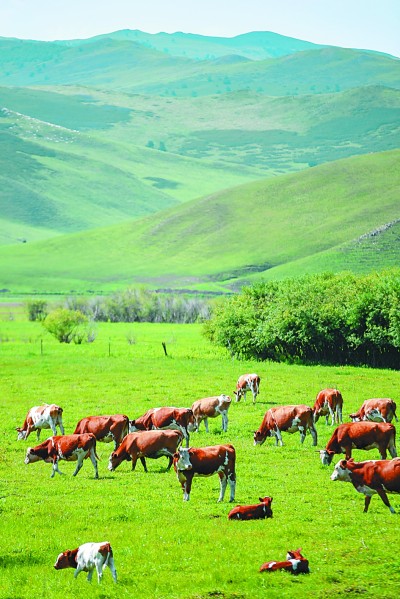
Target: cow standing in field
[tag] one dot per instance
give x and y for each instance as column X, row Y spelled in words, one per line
column 180, row 419
column 146, row 444
column 360, row 435
column 87, row 558
column 289, row 419
column 105, row 428
column 295, row 563
column 329, row 402
column 38, row 417
column 259, row 511
column 247, row 382
column 376, row 410
column 71, row 448
column 370, row 478
column 205, row 461
column 211, row 407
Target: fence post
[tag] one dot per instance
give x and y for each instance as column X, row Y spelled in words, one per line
column 164, row 347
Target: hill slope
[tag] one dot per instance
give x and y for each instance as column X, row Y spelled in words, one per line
column 217, row 240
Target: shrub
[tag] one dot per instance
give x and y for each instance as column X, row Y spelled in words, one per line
column 67, row 325
column 37, row 309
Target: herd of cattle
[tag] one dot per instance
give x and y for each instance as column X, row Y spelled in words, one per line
column 162, row 431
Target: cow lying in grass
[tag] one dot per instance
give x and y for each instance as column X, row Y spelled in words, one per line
column 258, row 511
column 295, row 563
column 88, row 557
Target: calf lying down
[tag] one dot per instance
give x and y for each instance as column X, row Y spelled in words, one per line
column 258, row 511
column 87, row 557
column 295, row 563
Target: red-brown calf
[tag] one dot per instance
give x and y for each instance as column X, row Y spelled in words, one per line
column 295, row 563
column 258, row 511
column 329, row 402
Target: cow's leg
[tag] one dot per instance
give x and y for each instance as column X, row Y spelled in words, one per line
column 187, row 487
column 55, row 468
column 99, row 570
column 111, row 565
column 90, row 574
column 186, row 436
column 171, row 459
column 60, row 424
column 53, row 426
column 206, row 424
column 134, row 460
column 278, row 436
column 78, row 569
column 232, row 484
column 383, row 452
column 37, row 433
column 79, row 464
column 384, row 497
column 392, row 449
column 225, row 422
column 314, row 435
column 332, row 415
column 222, row 483
column 93, row 459
column 302, row 431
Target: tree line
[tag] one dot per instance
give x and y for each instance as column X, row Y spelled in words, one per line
column 325, row 318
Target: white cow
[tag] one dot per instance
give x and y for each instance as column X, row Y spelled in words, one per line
column 87, row 557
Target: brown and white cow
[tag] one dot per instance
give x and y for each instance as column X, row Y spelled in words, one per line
column 146, row 444
column 205, row 461
column 38, row 417
column 258, row 511
column 329, row 402
column 247, row 382
column 371, row 477
column 295, row 563
column 105, row 428
column 180, row 419
column 211, row 407
column 360, row 435
column 376, row 410
column 88, row 557
column 289, row 419
column 71, row 448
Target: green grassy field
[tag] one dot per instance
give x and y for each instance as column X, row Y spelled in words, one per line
column 165, row 548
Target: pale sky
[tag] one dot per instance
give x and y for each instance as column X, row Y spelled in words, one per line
column 367, row 24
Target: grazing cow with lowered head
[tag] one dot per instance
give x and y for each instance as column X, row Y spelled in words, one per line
column 258, row 511
column 88, row 557
column 329, row 402
column 372, row 477
column 247, row 382
column 105, row 428
column 146, row 444
column 71, row 448
column 360, row 435
column 289, row 419
column 376, row 410
column 295, row 563
column 38, row 417
column 205, row 461
column 211, row 407
column 180, row 419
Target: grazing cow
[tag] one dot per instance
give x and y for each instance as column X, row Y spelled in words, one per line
column 247, row 382
column 205, row 461
column 360, row 435
column 211, row 407
column 295, row 563
column 105, row 428
column 146, row 444
column 329, row 402
column 67, row 447
column 180, row 419
column 289, row 419
column 370, row 478
column 376, row 410
column 38, row 417
column 87, row 557
column 258, row 511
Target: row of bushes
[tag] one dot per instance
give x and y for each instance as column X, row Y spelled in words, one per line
column 327, row 318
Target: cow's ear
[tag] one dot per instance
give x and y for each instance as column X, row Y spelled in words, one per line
column 343, row 463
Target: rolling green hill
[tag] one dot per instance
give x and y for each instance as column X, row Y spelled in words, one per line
column 216, row 242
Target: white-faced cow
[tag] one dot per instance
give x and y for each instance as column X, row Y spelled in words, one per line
column 87, row 558
column 295, row 563
column 71, row 448
column 376, row 410
column 211, row 407
column 146, row 444
column 360, row 435
column 370, row 478
column 180, row 419
column 205, row 461
column 38, row 417
column 289, row 419
column 258, row 511
column 247, row 382
column 105, row 428
column 329, row 402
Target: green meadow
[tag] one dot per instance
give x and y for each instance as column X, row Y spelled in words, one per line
column 165, row 548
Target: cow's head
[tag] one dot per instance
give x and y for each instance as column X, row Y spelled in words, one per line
column 259, row 437
column 21, row 433
column 190, row 422
column 342, row 472
column 295, row 554
column 114, row 460
column 66, row 559
column 326, row 456
column 355, row 417
column 182, row 459
column 31, row 456
column 267, row 502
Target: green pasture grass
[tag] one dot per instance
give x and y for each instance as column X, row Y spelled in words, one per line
column 166, row 548
column 222, row 237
